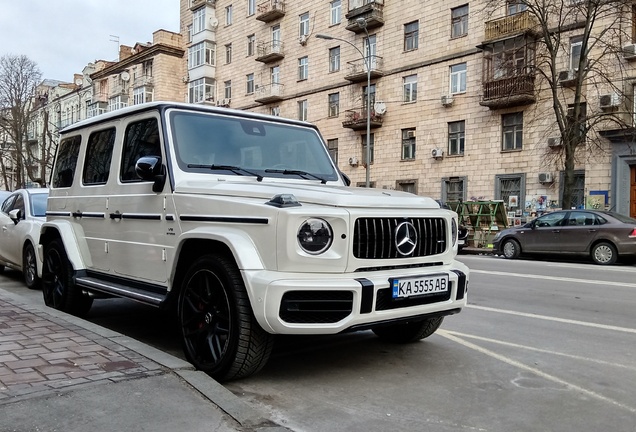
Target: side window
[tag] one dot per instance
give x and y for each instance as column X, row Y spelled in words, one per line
column 99, row 153
column 142, row 139
column 7, row 205
column 66, row 162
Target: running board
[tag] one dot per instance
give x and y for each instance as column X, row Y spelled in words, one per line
column 119, row 290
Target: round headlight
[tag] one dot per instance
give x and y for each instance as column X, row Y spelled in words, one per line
column 454, row 231
column 315, row 236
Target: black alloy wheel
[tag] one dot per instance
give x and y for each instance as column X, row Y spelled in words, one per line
column 29, row 267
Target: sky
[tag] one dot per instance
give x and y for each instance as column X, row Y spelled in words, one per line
column 63, row 36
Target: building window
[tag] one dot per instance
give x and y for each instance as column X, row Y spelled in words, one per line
column 303, row 26
column 334, row 104
column 198, row 20
column 228, row 53
column 510, row 188
column 190, row 32
column 228, row 15
column 411, row 34
column 459, row 21
column 249, row 83
column 334, row 59
column 456, row 136
column 410, row 88
column 516, row 6
column 458, row 78
column 303, row 68
column 364, row 148
column 453, row 189
column 275, row 111
column 227, row 89
column 202, row 89
column 201, row 53
column 251, row 7
column 302, row 110
column 251, row 45
column 336, row 12
column 408, row 144
column 332, row 146
column 141, row 95
column 576, row 43
column 578, row 191
column 512, row 131
column 409, row 186
column 274, row 74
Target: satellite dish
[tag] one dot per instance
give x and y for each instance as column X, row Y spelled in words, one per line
column 214, row 22
column 379, row 107
column 125, row 76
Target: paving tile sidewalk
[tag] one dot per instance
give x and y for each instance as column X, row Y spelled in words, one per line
column 40, row 353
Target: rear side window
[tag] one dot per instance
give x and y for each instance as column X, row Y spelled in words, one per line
column 99, row 153
column 64, row 172
column 142, row 139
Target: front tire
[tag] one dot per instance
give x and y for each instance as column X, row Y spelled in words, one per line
column 220, row 334
column 58, row 287
column 511, row 249
column 410, row 331
column 604, row 253
column 30, row 267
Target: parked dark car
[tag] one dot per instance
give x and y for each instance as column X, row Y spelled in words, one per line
column 602, row 235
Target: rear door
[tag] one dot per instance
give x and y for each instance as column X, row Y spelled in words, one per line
column 580, row 230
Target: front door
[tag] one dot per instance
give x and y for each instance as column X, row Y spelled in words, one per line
column 632, row 191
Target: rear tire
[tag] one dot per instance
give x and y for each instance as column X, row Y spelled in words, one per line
column 30, row 267
column 58, row 287
column 511, row 249
column 220, row 334
column 604, row 253
column 410, row 331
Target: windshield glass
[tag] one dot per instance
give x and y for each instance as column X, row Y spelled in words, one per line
column 210, row 143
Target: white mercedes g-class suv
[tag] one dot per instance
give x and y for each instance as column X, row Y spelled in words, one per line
column 244, row 225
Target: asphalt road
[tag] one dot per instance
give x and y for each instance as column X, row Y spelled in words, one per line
column 542, row 346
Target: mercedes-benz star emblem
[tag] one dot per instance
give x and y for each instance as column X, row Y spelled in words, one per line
column 405, row 238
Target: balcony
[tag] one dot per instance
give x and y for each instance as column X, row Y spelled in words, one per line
column 270, row 10
column 509, row 92
column 509, row 26
column 357, row 69
column 356, row 119
column 267, row 52
column 143, row 81
column 118, row 89
column 372, row 11
column 195, row 4
column 269, row 93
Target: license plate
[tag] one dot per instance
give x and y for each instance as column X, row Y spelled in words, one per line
column 420, row 285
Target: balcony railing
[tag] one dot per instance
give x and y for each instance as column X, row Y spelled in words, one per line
column 117, row 89
column 269, row 93
column 372, row 11
column 143, row 81
column 357, row 69
column 511, row 25
column 356, row 119
column 270, row 10
column 269, row 51
column 509, row 92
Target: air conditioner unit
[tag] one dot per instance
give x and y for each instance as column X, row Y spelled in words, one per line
column 410, row 134
column 554, row 142
column 447, row 100
column 437, row 153
column 545, row 178
column 567, row 77
column 611, row 100
column 353, row 161
column 629, row 51
column 223, row 102
column 303, row 40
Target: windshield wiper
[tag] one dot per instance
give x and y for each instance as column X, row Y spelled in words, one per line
column 300, row 173
column 234, row 169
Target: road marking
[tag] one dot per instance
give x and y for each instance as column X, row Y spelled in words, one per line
column 555, row 278
column 543, row 351
column 555, row 319
column 534, row 370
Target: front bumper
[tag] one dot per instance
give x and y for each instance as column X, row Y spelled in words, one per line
column 298, row 303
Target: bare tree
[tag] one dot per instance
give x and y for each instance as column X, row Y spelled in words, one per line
column 19, row 77
column 572, row 53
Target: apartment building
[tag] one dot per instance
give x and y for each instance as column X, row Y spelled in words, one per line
column 445, row 120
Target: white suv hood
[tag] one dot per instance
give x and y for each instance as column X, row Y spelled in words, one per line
column 308, row 192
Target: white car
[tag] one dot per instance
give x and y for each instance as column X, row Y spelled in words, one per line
column 21, row 216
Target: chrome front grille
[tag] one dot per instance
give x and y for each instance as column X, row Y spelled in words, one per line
column 375, row 238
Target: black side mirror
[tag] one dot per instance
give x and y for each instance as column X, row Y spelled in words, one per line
column 150, row 168
column 345, row 179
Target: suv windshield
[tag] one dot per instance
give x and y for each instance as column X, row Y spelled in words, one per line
column 250, row 147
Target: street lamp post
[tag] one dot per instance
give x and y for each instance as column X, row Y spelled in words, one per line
column 362, row 23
